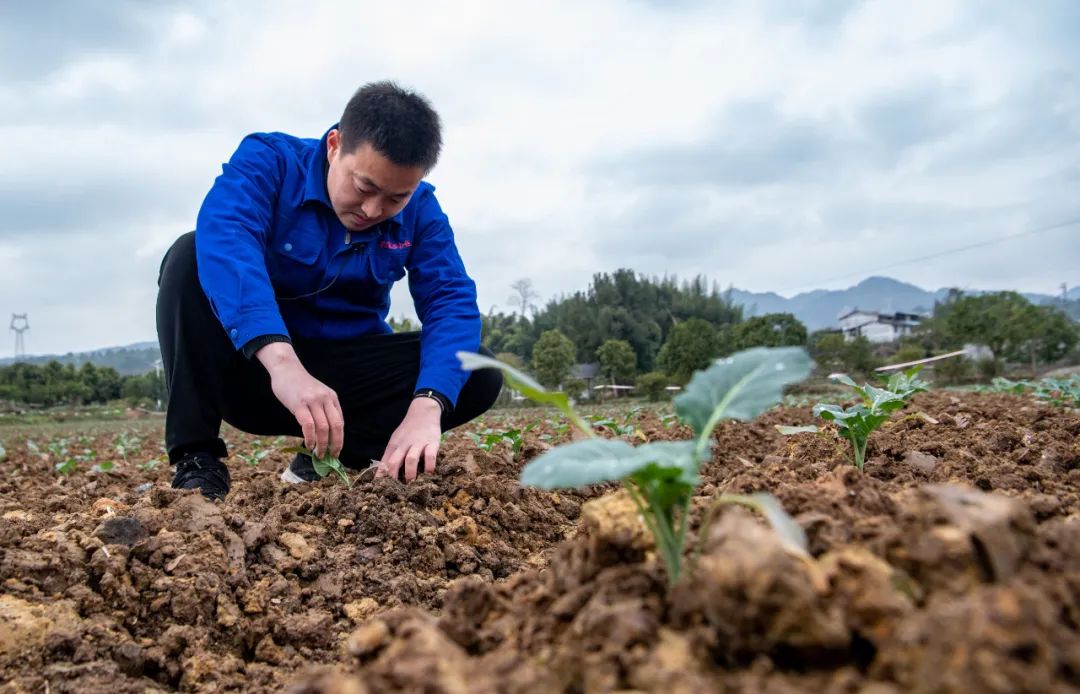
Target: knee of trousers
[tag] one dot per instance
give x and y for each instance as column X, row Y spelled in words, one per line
column 487, row 383
column 180, row 257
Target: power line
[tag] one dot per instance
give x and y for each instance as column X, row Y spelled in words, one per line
column 861, row 273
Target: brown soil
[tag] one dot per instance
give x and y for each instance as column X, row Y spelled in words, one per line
column 951, row 564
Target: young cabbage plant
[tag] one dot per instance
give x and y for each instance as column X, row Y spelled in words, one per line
column 857, row 422
column 905, row 383
column 323, row 465
column 1059, row 392
column 660, row 476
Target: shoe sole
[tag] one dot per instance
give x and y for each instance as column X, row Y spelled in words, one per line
column 290, row 477
column 365, row 475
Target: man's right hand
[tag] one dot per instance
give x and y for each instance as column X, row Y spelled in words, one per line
column 314, row 404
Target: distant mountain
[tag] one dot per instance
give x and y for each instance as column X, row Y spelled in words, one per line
column 135, row 358
column 820, row 308
column 817, row 309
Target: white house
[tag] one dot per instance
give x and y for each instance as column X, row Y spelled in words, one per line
column 877, row 327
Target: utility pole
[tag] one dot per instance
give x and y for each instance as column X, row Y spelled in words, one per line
column 1064, row 294
column 19, row 325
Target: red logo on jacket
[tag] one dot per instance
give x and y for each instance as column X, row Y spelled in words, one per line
column 394, row 245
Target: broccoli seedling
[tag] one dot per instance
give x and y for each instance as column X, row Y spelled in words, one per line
column 660, row 476
column 323, row 465
column 1059, row 392
column 857, row 422
column 904, row 383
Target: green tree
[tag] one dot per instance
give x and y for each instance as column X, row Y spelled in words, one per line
column 770, row 330
column 512, row 359
column 402, row 325
column 858, row 355
column 617, row 361
column 691, row 346
column 1010, row 325
column 828, row 349
column 552, row 358
column 653, row 385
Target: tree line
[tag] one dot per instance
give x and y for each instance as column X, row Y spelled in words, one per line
column 652, row 333
column 54, row 383
column 655, row 332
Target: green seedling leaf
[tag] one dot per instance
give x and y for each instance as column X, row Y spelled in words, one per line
column 883, row 400
column 791, row 431
column 323, row 466
column 3, row 453
column 104, row 466
column 591, row 461
column 524, row 384
column 790, row 532
column 845, row 379
column 67, row 467
column 741, row 386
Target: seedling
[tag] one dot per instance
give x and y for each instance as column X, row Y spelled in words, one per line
column 125, row 443
column 903, row 383
column 323, row 465
column 255, row 457
column 1060, row 392
column 3, row 453
column 625, row 430
column 661, row 476
column 104, row 466
column 487, row 439
column 857, row 422
column 1004, row 385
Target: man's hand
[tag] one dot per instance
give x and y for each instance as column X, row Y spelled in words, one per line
column 416, row 437
column 311, row 401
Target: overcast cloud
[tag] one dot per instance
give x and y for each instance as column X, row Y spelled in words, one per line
column 775, row 145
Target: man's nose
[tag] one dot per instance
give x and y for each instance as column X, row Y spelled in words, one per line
column 372, row 209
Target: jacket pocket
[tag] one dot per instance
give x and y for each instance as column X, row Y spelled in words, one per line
column 387, row 266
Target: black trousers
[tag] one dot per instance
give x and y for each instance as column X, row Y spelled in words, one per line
column 208, row 380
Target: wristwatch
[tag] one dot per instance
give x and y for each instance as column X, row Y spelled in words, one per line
column 444, row 402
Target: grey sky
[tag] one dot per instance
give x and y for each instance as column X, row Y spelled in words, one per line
column 770, row 145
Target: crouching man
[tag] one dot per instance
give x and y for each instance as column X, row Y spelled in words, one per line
column 271, row 315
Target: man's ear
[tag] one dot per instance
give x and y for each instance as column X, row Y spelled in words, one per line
column 333, row 144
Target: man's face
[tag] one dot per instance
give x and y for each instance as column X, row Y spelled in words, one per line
column 365, row 187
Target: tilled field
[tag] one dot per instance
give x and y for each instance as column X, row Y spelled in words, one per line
column 951, row 564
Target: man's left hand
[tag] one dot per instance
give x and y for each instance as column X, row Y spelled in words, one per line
column 416, row 438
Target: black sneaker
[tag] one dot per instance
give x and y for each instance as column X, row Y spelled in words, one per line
column 300, row 470
column 204, row 472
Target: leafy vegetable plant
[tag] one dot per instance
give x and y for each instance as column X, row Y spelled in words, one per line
column 1060, row 392
column 323, row 466
column 660, row 476
column 857, row 422
column 905, row 383
column 489, row 438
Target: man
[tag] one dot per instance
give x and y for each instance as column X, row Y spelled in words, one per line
column 271, row 314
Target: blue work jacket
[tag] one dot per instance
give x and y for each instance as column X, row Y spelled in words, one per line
column 274, row 259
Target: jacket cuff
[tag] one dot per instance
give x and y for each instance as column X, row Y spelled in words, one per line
column 444, row 402
column 255, row 344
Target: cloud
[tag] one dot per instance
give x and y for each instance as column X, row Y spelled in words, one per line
column 765, row 144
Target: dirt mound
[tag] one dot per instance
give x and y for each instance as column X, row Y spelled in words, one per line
column 170, row 590
column 952, row 563
column 922, row 580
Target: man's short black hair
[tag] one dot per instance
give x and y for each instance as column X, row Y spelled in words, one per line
column 399, row 124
